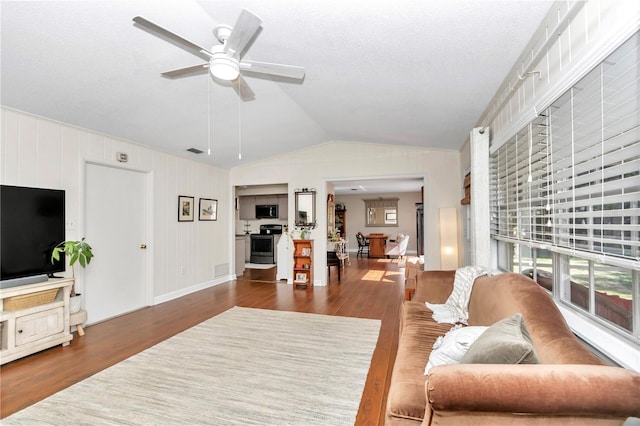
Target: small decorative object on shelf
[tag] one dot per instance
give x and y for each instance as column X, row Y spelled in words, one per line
column 303, row 263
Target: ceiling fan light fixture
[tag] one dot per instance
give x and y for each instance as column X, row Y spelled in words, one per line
column 224, row 68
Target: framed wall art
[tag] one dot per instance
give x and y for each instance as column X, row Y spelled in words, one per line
column 208, row 209
column 185, row 208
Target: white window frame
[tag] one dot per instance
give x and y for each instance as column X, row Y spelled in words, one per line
column 523, row 220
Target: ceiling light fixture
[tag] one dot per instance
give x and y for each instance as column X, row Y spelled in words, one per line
column 222, row 66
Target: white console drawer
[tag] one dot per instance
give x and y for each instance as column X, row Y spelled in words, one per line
column 30, row 328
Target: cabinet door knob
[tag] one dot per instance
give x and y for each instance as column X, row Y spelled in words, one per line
column 143, row 246
column 19, row 331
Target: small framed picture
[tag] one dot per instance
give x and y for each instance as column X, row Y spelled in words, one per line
column 208, row 209
column 306, row 251
column 302, row 278
column 185, row 208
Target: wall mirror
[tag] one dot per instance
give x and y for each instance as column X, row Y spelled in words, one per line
column 381, row 212
column 306, row 207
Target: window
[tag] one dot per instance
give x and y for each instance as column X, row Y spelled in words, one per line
column 579, row 278
column 613, row 293
column 381, row 212
column 565, row 203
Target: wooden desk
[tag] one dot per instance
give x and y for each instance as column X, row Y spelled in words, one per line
column 376, row 244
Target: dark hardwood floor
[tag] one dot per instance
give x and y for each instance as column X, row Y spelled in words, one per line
column 368, row 288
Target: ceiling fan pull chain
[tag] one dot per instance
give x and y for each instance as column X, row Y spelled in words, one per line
column 209, row 117
column 240, row 124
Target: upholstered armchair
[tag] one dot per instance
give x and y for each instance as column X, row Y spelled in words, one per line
column 397, row 247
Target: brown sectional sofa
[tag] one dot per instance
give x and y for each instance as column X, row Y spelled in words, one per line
column 570, row 385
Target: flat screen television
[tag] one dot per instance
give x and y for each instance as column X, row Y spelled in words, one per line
column 32, row 223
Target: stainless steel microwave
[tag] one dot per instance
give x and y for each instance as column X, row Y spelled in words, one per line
column 266, row 211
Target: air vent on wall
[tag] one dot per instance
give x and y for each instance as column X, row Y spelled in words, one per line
column 195, row 150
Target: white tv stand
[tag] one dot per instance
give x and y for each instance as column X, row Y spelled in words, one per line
column 30, row 330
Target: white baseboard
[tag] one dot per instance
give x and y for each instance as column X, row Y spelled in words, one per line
column 183, row 292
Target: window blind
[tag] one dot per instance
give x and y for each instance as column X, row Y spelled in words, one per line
column 571, row 178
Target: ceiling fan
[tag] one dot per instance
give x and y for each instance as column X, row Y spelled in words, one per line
column 224, row 61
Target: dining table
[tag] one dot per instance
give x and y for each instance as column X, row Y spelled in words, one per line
column 376, row 244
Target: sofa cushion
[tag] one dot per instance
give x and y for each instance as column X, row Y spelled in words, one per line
column 438, row 289
column 500, row 296
column 450, row 348
column 505, row 342
column 406, row 399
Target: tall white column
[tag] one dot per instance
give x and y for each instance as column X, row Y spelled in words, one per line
column 480, row 206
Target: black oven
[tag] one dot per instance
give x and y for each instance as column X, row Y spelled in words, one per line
column 263, row 245
column 262, row 248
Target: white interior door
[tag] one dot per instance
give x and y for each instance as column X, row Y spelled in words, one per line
column 115, row 282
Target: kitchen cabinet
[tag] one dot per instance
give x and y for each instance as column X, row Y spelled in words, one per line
column 247, row 207
column 283, row 206
column 240, row 254
column 267, row 199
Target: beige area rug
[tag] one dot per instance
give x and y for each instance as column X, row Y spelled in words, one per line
column 244, row 366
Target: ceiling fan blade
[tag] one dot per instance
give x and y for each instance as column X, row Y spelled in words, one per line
column 243, row 31
column 290, row 71
column 173, row 38
column 243, row 90
column 186, row 72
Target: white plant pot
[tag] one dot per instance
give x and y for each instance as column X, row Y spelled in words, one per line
column 75, row 303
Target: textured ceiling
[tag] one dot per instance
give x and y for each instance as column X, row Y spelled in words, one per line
column 405, row 72
column 377, row 186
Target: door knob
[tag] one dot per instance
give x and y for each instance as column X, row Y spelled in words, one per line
column 143, row 246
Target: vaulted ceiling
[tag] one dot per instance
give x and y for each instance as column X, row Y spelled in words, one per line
column 406, row 72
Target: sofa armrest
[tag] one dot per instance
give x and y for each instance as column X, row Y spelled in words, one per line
column 433, row 286
column 549, row 389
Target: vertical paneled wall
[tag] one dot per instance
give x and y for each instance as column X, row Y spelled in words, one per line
column 35, row 151
column 594, row 29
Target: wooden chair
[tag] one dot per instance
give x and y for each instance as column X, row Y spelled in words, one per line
column 333, row 260
column 363, row 244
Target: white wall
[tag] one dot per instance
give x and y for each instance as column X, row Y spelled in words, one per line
column 38, row 152
column 598, row 27
column 406, row 217
column 314, row 167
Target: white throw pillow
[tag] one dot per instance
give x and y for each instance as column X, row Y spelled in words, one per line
column 450, row 348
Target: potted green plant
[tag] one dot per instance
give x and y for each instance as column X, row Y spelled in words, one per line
column 80, row 252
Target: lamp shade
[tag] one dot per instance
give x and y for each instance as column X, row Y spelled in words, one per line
column 448, row 238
